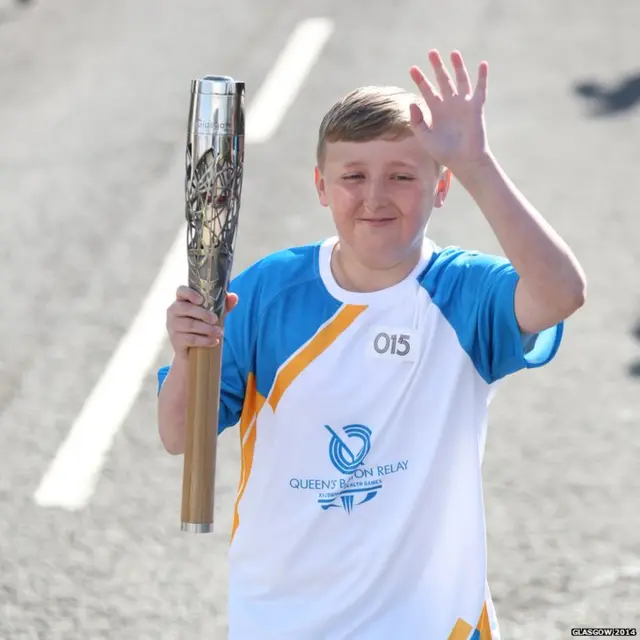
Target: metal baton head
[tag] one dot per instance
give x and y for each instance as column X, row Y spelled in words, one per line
column 213, row 184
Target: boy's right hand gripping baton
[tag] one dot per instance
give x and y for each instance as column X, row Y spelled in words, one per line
column 213, row 185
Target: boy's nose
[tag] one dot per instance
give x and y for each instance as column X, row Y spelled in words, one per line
column 376, row 194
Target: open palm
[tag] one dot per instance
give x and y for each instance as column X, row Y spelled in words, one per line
column 456, row 135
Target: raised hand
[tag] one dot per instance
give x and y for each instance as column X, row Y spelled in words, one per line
column 456, row 136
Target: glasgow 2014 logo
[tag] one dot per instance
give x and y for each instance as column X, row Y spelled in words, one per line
column 348, row 458
column 348, row 451
column 342, row 456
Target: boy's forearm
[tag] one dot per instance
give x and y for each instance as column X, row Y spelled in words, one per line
column 546, row 265
column 172, row 406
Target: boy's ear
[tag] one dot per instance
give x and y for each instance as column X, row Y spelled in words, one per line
column 320, row 187
column 443, row 188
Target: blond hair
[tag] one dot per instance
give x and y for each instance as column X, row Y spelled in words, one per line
column 368, row 113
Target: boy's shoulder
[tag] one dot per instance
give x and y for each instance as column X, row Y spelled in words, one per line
column 279, row 271
column 454, row 263
column 283, row 271
column 456, row 257
column 288, row 259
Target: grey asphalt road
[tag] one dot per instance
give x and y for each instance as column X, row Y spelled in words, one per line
column 92, row 115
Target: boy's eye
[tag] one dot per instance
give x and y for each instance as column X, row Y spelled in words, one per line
column 360, row 176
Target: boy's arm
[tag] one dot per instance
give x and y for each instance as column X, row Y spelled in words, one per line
column 172, row 405
column 237, row 360
column 172, row 399
column 552, row 284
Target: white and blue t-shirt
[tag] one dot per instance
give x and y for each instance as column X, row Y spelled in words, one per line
column 362, row 419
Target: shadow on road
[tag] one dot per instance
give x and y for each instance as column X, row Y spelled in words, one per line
column 8, row 9
column 610, row 100
column 634, row 369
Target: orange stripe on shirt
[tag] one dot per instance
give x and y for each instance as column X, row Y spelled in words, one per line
column 319, row 343
column 253, row 402
column 461, row 631
column 484, row 625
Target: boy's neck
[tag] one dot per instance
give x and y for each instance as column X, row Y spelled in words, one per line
column 352, row 275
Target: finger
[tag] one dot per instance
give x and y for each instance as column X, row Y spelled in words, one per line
column 231, row 301
column 194, row 340
column 189, row 294
column 447, row 88
column 190, row 326
column 183, row 309
column 462, row 77
column 480, row 93
column 417, row 120
column 427, row 90
column 421, row 128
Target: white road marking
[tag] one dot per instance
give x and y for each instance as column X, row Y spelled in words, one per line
column 72, row 477
column 283, row 83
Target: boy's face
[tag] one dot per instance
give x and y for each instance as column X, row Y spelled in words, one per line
column 381, row 194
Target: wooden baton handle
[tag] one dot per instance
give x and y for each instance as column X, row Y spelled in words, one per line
column 203, row 401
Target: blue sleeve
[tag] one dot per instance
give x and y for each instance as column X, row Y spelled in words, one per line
column 476, row 294
column 237, row 352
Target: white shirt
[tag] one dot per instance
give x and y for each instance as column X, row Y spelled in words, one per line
column 362, row 421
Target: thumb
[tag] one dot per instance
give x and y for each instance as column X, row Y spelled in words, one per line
column 418, row 123
column 231, row 301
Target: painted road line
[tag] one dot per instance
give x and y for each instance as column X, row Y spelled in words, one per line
column 283, row 83
column 71, row 479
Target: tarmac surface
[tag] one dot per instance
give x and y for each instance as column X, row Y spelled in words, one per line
column 93, row 99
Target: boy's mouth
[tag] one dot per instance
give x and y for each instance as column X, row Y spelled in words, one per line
column 377, row 222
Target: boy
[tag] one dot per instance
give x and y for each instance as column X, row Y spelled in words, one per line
column 360, row 369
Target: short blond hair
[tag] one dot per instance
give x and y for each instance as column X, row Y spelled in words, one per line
column 368, row 113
